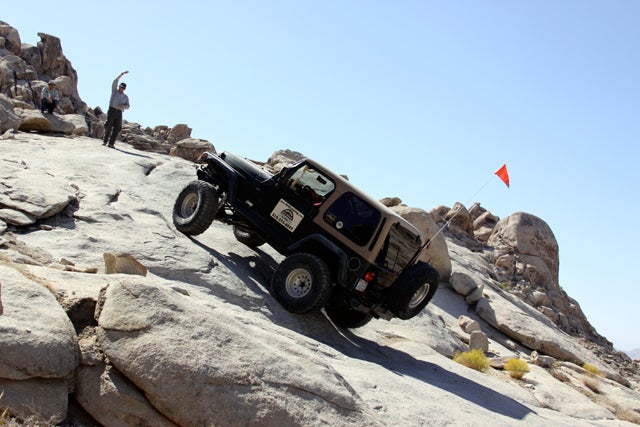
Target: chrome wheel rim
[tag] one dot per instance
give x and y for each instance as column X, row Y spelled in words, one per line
column 189, row 205
column 298, row 282
column 419, row 296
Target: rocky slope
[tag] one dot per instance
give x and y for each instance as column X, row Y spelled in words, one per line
column 110, row 316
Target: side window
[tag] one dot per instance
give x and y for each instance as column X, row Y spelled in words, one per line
column 353, row 217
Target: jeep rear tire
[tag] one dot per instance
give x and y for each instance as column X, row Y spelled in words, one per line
column 301, row 283
column 247, row 236
column 195, row 208
column 340, row 311
column 413, row 290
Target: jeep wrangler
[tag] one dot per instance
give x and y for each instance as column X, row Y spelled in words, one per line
column 344, row 250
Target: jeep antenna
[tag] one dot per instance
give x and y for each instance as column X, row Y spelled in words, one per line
column 502, row 173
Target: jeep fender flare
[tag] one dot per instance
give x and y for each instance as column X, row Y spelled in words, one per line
column 341, row 256
column 215, row 162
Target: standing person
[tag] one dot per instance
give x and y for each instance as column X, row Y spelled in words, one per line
column 50, row 98
column 117, row 104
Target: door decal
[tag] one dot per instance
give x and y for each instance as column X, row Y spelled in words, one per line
column 286, row 215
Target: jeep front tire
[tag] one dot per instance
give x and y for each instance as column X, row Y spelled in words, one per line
column 195, row 208
column 413, row 290
column 301, row 283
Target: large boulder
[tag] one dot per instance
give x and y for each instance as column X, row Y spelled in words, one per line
column 109, row 396
column 38, row 351
column 11, row 38
column 178, row 133
column 34, row 120
column 191, row 148
column 8, row 119
column 532, row 239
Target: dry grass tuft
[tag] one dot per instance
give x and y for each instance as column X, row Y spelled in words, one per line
column 474, row 359
column 592, row 370
column 559, row 375
column 516, row 368
column 592, row 384
column 629, row 415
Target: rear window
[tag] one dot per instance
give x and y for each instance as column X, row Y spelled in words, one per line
column 354, row 218
column 399, row 247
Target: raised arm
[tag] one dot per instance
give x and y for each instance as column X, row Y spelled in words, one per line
column 114, row 86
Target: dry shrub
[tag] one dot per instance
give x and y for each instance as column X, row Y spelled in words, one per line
column 629, row 415
column 592, row 370
column 516, row 368
column 559, row 375
column 474, row 359
column 592, row 384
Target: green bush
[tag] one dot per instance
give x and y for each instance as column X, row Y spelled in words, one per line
column 474, row 359
column 516, row 368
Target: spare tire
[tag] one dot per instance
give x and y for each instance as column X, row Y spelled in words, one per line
column 413, row 290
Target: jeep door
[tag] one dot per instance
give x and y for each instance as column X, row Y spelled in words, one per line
column 300, row 194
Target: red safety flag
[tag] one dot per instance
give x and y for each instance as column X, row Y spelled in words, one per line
column 503, row 174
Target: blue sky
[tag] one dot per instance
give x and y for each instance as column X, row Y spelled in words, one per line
column 423, row 100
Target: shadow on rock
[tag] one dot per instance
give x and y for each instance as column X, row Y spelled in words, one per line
column 402, row 363
column 256, row 272
column 253, row 271
column 129, row 152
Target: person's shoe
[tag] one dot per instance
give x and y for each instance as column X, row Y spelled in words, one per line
column 104, row 143
column 111, row 146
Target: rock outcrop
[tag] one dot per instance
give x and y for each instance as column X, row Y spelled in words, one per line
column 24, row 73
column 525, row 261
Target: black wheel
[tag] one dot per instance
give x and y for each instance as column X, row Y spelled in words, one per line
column 247, row 236
column 301, row 283
column 340, row 311
column 195, row 208
column 413, row 290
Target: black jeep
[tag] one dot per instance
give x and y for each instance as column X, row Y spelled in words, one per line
column 344, row 251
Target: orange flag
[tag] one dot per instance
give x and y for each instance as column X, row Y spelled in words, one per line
column 503, row 174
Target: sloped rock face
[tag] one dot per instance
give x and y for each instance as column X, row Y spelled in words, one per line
column 167, row 332
column 33, row 192
column 200, row 336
